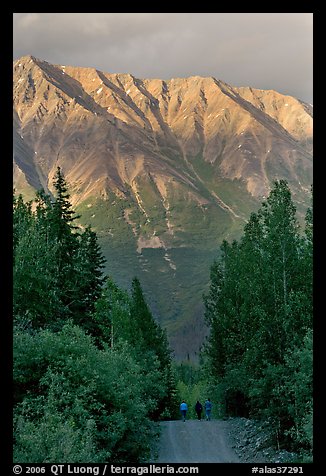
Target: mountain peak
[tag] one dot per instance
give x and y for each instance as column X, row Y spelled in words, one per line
column 240, row 132
column 28, row 60
column 163, row 170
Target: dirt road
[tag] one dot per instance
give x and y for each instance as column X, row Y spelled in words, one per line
column 195, row 441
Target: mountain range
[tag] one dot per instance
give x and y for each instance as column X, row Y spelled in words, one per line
column 163, row 170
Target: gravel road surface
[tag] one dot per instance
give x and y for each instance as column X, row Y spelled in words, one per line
column 195, row 441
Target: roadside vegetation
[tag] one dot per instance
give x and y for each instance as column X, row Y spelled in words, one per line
column 93, row 371
column 258, row 357
column 92, row 368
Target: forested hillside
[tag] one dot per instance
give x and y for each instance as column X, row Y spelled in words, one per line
column 162, row 170
column 92, row 369
column 259, row 309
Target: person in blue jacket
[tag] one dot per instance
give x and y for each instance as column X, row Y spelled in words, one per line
column 208, row 409
column 183, row 410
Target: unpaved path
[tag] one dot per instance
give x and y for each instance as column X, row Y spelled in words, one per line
column 195, row 441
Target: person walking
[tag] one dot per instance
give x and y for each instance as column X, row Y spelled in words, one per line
column 183, row 410
column 208, row 409
column 198, row 409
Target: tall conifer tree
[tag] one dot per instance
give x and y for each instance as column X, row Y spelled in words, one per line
column 259, row 308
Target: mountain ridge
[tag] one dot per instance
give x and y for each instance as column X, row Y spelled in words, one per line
column 158, row 167
column 77, row 93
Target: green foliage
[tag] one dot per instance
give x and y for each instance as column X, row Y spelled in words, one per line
column 91, row 366
column 57, row 267
column 192, row 393
column 184, row 273
column 54, row 439
column 112, row 314
column 192, row 386
column 35, row 267
column 147, row 334
column 124, row 318
column 94, row 400
column 296, row 386
column 259, row 309
column 151, row 342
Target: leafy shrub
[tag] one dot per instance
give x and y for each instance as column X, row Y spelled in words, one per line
column 77, row 402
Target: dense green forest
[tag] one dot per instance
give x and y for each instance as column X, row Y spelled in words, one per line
column 92, row 369
column 258, row 357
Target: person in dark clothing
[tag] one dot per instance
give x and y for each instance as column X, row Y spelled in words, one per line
column 198, row 409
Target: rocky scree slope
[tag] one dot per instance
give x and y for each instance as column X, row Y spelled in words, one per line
column 162, row 170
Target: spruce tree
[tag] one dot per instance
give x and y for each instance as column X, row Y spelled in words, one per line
column 151, row 342
column 22, row 219
column 58, row 267
column 36, row 300
column 88, row 276
column 66, row 236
